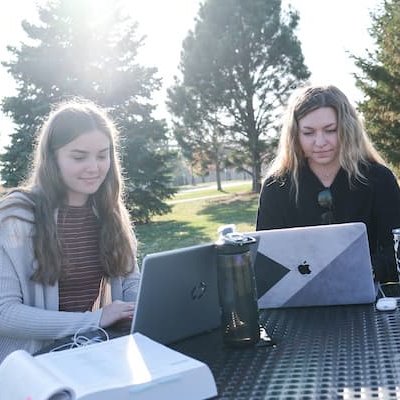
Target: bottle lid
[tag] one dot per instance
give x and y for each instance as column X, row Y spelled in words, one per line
column 229, row 236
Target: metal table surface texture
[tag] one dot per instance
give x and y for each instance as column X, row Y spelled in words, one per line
column 338, row 352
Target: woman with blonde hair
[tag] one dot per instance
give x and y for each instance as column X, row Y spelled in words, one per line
column 327, row 171
column 68, row 251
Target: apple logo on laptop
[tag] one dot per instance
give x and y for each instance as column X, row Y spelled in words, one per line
column 304, row 268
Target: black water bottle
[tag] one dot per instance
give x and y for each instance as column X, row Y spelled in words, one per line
column 237, row 289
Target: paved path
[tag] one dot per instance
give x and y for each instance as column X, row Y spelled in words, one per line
column 213, row 196
column 213, row 185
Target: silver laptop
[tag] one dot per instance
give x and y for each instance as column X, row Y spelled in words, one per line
column 313, row 266
column 178, row 294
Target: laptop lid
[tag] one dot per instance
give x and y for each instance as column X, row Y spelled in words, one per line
column 313, row 266
column 178, row 294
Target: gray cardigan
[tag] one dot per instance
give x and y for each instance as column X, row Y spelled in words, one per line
column 29, row 316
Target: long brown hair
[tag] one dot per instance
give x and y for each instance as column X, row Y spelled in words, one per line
column 356, row 148
column 45, row 187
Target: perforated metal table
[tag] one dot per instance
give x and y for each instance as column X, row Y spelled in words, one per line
column 341, row 352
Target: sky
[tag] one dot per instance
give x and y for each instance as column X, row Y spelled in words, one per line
column 328, row 30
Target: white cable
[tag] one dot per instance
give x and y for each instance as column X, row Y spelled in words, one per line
column 382, row 285
column 380, row 290
column 81, row 340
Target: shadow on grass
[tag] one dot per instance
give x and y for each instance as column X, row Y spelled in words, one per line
column 167, row 235
column 236, row 210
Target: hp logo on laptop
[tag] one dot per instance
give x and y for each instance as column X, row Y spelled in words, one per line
column 198, row 291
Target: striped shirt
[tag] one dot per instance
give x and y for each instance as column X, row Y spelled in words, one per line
column 79, row 286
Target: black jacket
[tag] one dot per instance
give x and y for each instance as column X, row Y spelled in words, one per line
column 375, row 202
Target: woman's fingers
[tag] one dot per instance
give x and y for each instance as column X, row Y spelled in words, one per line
column 115, row 312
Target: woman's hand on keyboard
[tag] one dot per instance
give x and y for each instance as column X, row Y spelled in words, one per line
column 116, row 311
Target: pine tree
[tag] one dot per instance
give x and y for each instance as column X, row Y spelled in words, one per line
column 76, row 52
column 380, row 82
column 240, row 64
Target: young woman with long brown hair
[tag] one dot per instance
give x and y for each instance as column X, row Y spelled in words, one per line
column 67, row 248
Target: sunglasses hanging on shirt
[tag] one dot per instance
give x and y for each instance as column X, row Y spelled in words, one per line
column 325, row 200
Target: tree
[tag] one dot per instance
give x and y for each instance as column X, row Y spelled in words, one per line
column 380, row 81
column 196, row 131
column 75, row 51
column 239, row 65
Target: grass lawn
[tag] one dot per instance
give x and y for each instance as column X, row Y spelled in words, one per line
column 196, row 215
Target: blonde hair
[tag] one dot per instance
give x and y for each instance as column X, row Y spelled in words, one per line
column 356, row 149
column 117, row 242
